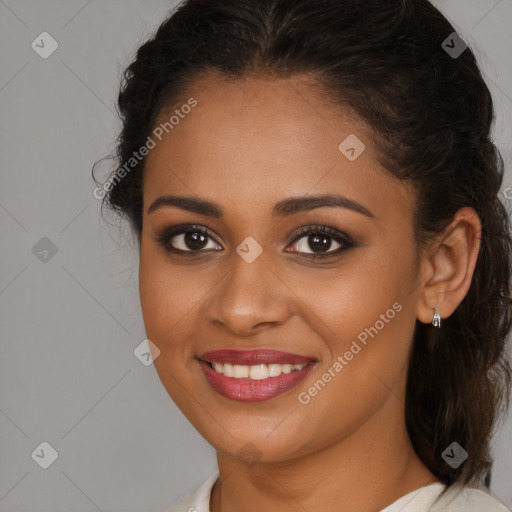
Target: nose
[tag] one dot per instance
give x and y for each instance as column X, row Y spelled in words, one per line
column 251, row 297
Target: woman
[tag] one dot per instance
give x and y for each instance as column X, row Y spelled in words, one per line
column 324, row 259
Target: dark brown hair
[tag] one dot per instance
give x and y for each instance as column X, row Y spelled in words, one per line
column 430, row 116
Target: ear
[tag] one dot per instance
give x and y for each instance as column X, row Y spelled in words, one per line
column 448, row 265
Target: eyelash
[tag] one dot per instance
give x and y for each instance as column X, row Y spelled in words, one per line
column 166, row 235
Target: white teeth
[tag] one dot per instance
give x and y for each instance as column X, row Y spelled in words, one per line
column 240, row 372
column 255, row 372
column 274, row 370
column 228, row 370
column 286, row 368
column 259, row 372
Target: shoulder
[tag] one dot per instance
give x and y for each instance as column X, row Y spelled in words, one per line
column 197, row 501
column 455, row 499
column 467, row 499
column 476, row 500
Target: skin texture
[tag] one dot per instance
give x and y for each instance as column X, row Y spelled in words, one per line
column 248, row 144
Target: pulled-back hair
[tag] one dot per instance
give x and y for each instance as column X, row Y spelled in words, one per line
column 430, row 115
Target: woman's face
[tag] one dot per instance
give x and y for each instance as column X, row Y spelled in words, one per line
column 246, row 283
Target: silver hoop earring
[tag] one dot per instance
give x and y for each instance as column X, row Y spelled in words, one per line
column 436, row 320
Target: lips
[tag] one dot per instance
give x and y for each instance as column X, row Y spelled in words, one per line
column 254, row 375
column 252, row 357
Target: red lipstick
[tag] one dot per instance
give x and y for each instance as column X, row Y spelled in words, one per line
column 254, row 375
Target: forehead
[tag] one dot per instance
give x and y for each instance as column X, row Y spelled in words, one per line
column 260, row 139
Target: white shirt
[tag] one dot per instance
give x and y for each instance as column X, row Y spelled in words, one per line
column 457, row 499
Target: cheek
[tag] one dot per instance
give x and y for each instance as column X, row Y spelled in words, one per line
column 367, row 314
column 157, row 299
column 166, row 291
column 166, row 297
column 365, row 360
column 358, row 295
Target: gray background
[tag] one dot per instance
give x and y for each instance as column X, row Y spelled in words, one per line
column 70, row 324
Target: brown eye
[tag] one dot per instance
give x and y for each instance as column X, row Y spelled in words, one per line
column 193, row 240
column 318, row 242
column 187, row 239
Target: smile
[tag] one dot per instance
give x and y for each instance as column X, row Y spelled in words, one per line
column 256, row 375
column 255, row 372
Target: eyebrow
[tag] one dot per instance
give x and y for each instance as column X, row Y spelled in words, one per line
column 283, row 208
